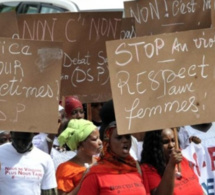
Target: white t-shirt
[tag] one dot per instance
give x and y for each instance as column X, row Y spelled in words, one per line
column 188, row 131
column 201, row 155
column 25, row 174
column 134, row 148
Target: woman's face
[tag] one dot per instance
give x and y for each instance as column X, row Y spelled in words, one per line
column 92, row 145
column 168, row 142
column 120, row 144
column 77, row 113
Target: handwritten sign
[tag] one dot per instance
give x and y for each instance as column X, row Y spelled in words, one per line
column 29, row 85
column 162, row 16
column 84, row 69
column 163, row 81
column 128, row 28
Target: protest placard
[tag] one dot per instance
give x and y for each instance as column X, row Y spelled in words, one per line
column 163, row 16
column 84, row 69
column 30, row 84
column 128, row 28
column 163, row 81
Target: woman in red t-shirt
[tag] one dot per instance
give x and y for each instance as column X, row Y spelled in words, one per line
column 158, row 163
column 83, row 136
column 116, row 171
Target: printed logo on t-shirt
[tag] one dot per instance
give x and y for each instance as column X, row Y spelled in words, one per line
column 22, row 172
column 126, row 187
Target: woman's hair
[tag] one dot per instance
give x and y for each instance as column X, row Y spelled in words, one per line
column 152, row 153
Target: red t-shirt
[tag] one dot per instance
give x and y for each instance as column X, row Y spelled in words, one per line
column 187, row 185
column 112, row 184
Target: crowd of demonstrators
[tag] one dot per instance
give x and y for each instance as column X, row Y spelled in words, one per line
column 158, row 161
column 81, row 135
column 116, row 172
column 25, row 169
column 76, row 164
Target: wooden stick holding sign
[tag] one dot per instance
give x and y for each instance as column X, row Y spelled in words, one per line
column 178, row 166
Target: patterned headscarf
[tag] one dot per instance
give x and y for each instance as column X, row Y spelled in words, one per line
column 77, row 131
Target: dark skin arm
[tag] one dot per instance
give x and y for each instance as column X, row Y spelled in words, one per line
column 167, row 183
column 52, row 191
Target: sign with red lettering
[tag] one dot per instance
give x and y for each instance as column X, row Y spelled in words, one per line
column 163, row 80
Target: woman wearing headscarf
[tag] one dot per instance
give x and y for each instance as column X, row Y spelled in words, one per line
column 81, row 135
column 159, row 163
column 73, row 108
column 116, row 171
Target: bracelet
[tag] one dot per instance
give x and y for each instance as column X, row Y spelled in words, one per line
column 48, row 139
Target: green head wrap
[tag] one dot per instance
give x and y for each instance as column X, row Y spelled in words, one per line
column 77, row 131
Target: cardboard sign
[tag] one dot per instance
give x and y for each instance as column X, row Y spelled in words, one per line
column 29, row 85
column 128, row 30
column 163, row 16
column 163, row 81
column 84, row 70
column 8, row 24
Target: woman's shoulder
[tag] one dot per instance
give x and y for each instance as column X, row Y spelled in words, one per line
column 69, row 165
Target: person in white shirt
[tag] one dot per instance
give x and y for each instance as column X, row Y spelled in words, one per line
column 200, row 155
column 25, row 169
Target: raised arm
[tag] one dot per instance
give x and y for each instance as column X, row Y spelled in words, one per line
column 166, row 185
